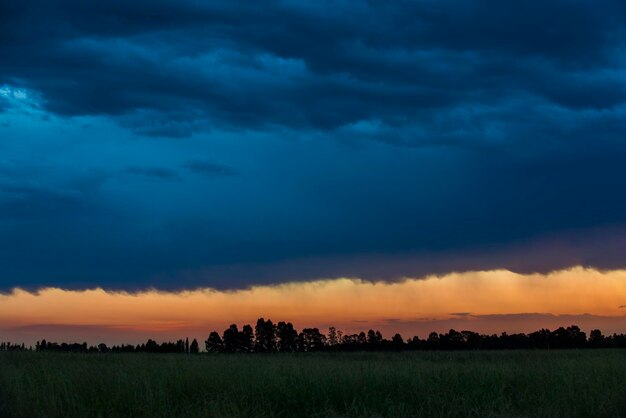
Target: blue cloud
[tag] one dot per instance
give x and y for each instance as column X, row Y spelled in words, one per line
column 154, row 173
column 358, row 138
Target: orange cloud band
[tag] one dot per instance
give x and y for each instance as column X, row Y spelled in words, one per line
column 485, row 301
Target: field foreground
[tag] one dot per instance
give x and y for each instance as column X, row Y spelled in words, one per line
column 430, row 384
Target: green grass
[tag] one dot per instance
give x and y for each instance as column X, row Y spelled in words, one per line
column 586, row 383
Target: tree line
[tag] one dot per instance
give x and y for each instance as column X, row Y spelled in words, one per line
column 282, row 337
column 151, row 346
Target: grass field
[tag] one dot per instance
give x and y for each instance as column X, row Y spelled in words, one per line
column 590, row 383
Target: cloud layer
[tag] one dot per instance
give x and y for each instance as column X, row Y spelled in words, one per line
column 180, row 144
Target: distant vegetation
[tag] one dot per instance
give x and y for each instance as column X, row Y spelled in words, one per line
column 267, row 337
column 511, row 383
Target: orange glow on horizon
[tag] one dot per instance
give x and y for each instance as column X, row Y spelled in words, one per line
column 485, row 301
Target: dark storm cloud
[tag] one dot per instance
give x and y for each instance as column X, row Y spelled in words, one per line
column 20, row 201
column 209, row 168
column 360, row 138
column 25, row 195
column 312, row 66
column 154, row 173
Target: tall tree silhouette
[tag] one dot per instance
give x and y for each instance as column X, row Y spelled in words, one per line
column 540, row 339
column 596, row 339
column 311, row 339
column 374, row 339
column 214, row 343
column 265, row 336
column 246, row 339
column 333, row 337
column 287, row 337
column 397, row 342
column 231, row 339
column 361, row 339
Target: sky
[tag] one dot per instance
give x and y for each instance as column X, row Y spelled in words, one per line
column 492, row 302
column 201, row 146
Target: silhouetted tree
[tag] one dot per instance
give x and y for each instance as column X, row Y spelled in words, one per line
column 540, row 339
column 453, row 340
column 246, row 339
column 287, row 337
column 374, row 339
column 432, row 343
column 415, row 343
column 311, row 339
column 152, row 346
column 265, row 336
column 194, row 348
column 596, row 339
column 472, row 340
column 9, row 346
column 361, row 339
column 231, row 339
column 397, row 342
column 333, row 338
column 214, row 343
column 578, row 339
column 570, row 337
column 617, row 341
